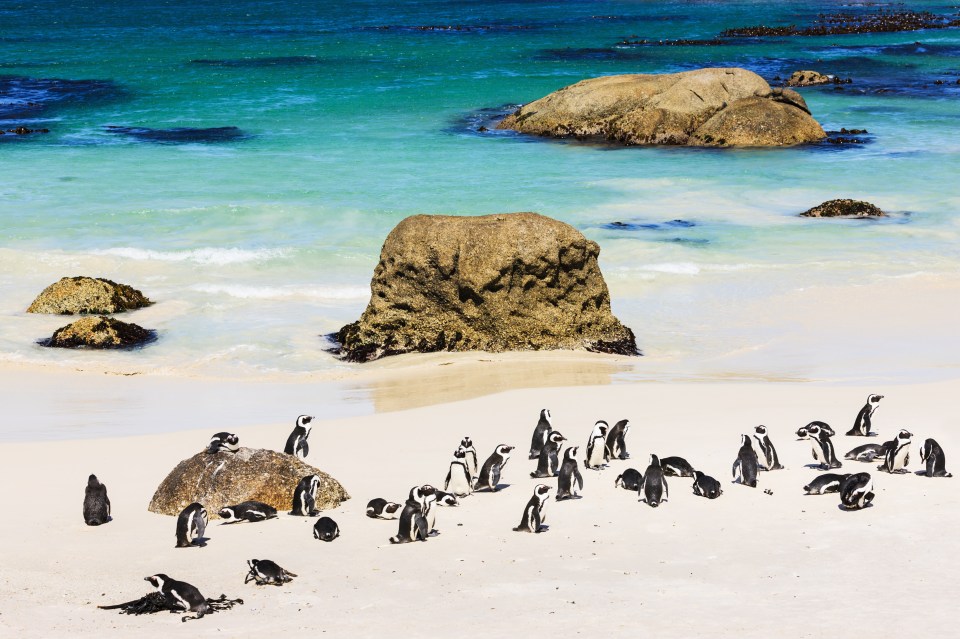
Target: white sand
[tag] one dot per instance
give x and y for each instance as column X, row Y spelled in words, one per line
column 747, row 564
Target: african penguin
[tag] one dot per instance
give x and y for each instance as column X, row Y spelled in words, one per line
column 896, row 453
column 265, row 572
column 96, row 504
column 706, row 486
column 412, row 524
column 297, row 441
column 569, row 481
column 822, row 447
column 616, row 447
column 746, row 466
column 325, row 529
column 630, row 479
column 380, row 508
column 180, row 594
column 305, row 497
column 865, row 453
column 223, row 442
column 549, row 461
column 470, row 454
column 676, row 467
column 936, row 461
column 446, row 499
column 654, row 490
column 489, row 477
column 820, row 426
column 459, row 481
column 861, row 426
column 766, row 453
column 191, row 524
column 540, row 432
column 597, row 446
column 247, row 511
column 856, row 491
column 825, row 483
column 532, row 519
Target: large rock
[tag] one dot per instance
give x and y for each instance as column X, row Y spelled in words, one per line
column 100, row 332
column 92, row 295
column 844, row 208
column 516, row 281
column 221, row 479
column 706, row 107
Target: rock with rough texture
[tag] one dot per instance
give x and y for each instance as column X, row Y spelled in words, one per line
column 516, row 281
column 807, row 79
column 100, row 332
column 844, row 208
column 91, row 295
column 706, row 107
column 221, row 479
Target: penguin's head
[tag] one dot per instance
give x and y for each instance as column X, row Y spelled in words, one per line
column 93, row 482
column 428, row 490
column 654, row 460
column 570, row 453
column 761, row 430
column 459, row 453
column 157, row 581
column 466, row 442
column 557, row 437
column 542, row 491
column 304, row 421
column 802, row 432
column 813, row 430
column 545, row 414
column 904, row 435
column 227, row 513
column 601, row 428
column 504, row 451
column 874, row 399
column 745, row 441
column 623, row 424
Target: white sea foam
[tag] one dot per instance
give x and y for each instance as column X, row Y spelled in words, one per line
column 275, row 293
column 206, row 255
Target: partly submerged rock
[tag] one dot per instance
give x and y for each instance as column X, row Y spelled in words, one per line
column 93, row 295
column 100, row 332
column 706, row 107
column 844, row 208
column 516, row 281
column 808, row 79
column 221, row 479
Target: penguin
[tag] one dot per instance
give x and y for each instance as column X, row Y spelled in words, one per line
column 532, row 519
column 856, row 491
column 191, row 524
column 540, row 432
column 446, row 499
column 413, row 525
column 706, row 486
column 802, row 433
column 489, row 477
column 570, row 477
column 896, row 453
column 470, row 454
column 630, row 479
column 865, row 453
column 380, row 508
column 596, row 446
column 861, row 426
column 823, row 451
column 297, row 441
column 676, row 467
column 180, row 594
column 223, row 442
column 305, row 497
column 767, row 454
column 549, row 462
column 936, row 461
column 823, row 426
column 265, row 572
column 247, row 511
column 654, row 490
column 325, row 529
column 825, row 483
column 459, row 481
column 616, row 447
column 96, row 504
column 746, row 466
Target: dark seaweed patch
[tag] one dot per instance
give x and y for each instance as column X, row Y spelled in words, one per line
column 181, row 135
column 648, row 226
column 23, row 97
column 483, row 121
column 448, row 28
column 587, row 53
column 256, row 63
column 851, row 23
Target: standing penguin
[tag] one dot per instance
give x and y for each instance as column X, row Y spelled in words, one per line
column 596, row 446
column 297, row 441
column 540, row 432
column 191, row 524
column 896, row 454
column 654, row 490
column 767, row 454
column 856, row 491
column 822, row 447
column 96, row 504
column 706, row 486
column 223, row 442
column 412, row 525
column 470, row 454
column 861, row 426
column 616, row 447
column 180, row 594
column 459, row 481
column 532, row 519
column 570, row 481
column 429, row 509
column 305, row 497
column 489, row 477
column 549, row 462
column 746, row 466
column 936, row 461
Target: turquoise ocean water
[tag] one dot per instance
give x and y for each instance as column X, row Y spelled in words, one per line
column 349, row 116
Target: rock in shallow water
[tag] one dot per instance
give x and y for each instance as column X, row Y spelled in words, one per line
column 100, row 332
column 96, row 296
column 516, row 281
column 221, row 479
column 844, row 208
